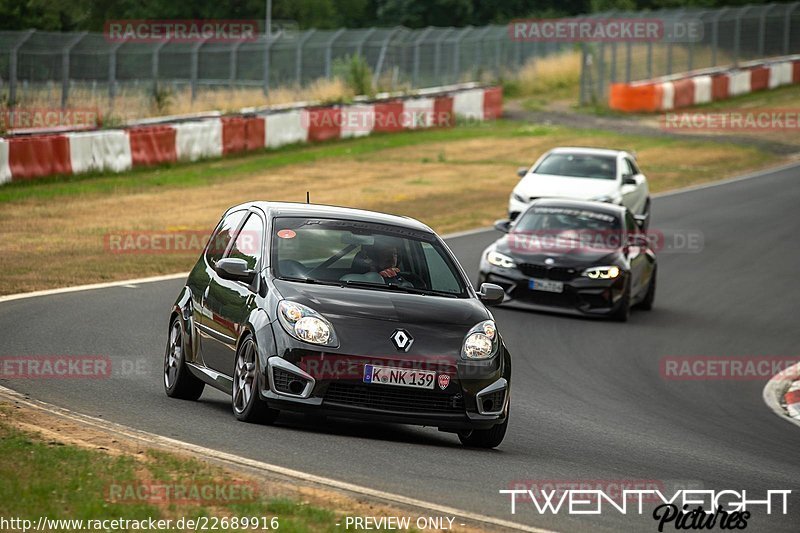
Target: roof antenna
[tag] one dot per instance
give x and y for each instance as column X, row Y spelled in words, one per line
column 308, row 197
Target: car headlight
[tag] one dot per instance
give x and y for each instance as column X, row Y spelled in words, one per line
column 603, row 272
column 519, row 198
column 498, row 259
column 481, row 341
column 305, row 324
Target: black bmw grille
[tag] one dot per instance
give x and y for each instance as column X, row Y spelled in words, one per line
column 545, row 272
column 394, row 398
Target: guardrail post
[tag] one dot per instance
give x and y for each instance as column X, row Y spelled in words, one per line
column 298, row 73
column 65, row 68
column 12, row 68
column 787, row 29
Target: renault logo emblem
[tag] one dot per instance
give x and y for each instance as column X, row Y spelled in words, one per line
column 402, row 340
column 549, row 261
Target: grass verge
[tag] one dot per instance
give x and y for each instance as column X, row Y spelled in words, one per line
column 55, row 233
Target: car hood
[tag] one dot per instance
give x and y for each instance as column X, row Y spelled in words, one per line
column 550, row 186
column 523, row 249
column 365, row 319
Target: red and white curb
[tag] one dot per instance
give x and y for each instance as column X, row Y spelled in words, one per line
column 782, row 394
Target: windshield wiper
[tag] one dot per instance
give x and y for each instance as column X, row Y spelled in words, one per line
column 309, row 280
column 392, row 287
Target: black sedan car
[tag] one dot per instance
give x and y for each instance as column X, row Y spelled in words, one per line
column 587, row 258
column 339, row 312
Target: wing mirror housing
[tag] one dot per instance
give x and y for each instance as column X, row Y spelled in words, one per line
column 522, row 171
column 503, row 225
column 491, row 294
column 628, row 179
column 643, row 221
column 234, row 269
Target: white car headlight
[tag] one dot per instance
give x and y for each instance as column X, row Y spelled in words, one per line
column 481, row 341
column 305, row 324
column 602, row 272
column 498, row 259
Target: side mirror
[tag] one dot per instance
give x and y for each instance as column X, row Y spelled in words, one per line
column 491, row 294
column 522, row 171
column 235, row 270
column 503, row 225
column 628, row 179
column 642, row 221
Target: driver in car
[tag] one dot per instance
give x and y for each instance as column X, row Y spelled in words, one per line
column 383, row 260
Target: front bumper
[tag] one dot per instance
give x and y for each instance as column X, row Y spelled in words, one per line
column 476, row 396
column 581, row 295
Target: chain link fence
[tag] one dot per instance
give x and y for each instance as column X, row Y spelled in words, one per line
column 57, row 66
column 727, row 36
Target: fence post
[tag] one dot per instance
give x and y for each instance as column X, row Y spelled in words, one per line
column 715, row 36
column 382, row 56
column 437, row 54
column 156, row 51
column 762, row 28
column 613, row 75
column 737, row 32
column 417, row 42
column 233, row 72
column 628, row 62
column 298, row 73
column 360, row 45
column 788, row 27
column 195, row 66
column 12, row 68
column 329, row 51
column 112, row 71
column 457, row 52
column 65, row 67
column 267, row 48
column 479, row 48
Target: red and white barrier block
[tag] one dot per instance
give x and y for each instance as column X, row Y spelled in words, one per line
column 183, row 139
column 695, row 88
column 792, row 400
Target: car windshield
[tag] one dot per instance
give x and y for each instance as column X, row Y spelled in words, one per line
column 579, row 166
column 591, row 227
column 363, row 255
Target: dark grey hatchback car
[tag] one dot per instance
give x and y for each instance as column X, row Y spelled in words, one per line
column 339, row 312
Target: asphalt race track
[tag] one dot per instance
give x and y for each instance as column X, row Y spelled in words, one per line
column 588, row 402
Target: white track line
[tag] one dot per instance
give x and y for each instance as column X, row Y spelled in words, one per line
column 203, row 452
column 776, row 388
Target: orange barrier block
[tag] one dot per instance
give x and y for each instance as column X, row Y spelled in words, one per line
column 323, row 123
column 33, row 157
column 759, row 79
column 684, row 93
column 635, row 98
column 152, row 145
column 443, row 111
column 388, row 116
column 255, row 133
column 234, row 135
column 492, row 103
column 795, row 71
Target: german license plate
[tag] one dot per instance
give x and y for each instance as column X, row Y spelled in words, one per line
column 401, row 377
column 545, row 285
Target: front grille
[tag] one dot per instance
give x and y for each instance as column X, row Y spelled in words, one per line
column 394, row 398
column 546, row 272
column 551, row 299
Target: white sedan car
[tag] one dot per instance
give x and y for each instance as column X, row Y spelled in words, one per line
column 583, row 174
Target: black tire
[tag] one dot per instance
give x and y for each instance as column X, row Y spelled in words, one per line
column 485, row 438
column 179, row 382
column 623, row 311
column 246, row 403
column 650, row 298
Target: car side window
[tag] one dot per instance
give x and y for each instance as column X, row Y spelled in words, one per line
column 249, row 241
column 632, row 168
column 222, row 236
